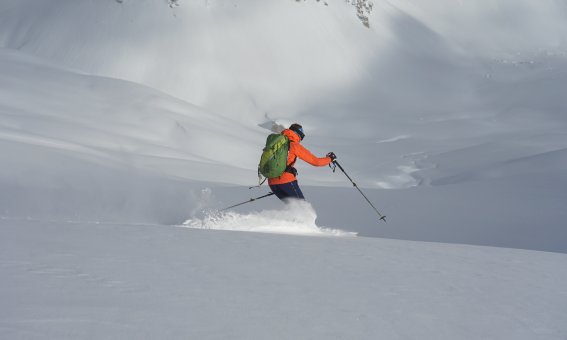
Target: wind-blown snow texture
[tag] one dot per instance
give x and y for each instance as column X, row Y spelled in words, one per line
column 126, row 125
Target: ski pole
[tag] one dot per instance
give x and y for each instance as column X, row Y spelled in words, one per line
column 382, row 217
column 250, row 200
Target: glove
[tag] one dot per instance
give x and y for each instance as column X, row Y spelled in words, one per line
column 332, row 156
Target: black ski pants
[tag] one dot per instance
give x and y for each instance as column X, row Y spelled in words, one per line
column 287, row 191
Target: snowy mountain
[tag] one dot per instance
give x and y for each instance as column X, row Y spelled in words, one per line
column 468, row 117
column 125, row 126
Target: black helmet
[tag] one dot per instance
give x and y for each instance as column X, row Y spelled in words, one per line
column 297, row 129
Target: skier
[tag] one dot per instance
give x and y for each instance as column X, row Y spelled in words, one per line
column 285, row 186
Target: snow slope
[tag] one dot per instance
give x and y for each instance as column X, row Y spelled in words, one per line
column 470, row 120
column 79, row 281
column 126, row 125
column 79, row 147
column 442, row 89
column 68, row 274
column 215, row 54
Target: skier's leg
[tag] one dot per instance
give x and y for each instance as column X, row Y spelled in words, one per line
column 287, row 191
column 296, row 190
column 278, row 191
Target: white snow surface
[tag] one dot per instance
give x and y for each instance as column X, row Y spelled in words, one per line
column 78, row 281
column 127, row 125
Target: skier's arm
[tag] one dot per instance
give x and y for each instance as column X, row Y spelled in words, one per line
column 308, row 157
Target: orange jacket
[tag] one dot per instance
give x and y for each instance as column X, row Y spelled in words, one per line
column 296, row 150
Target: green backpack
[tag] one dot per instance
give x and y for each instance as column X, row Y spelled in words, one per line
column 274, row 157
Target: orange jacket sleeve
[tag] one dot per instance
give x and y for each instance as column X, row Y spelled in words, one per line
column 302, row 153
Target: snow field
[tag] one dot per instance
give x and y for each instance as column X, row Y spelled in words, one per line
column 70, row 281
column 120, row 120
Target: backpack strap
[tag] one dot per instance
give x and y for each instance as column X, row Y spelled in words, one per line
column 289, row 168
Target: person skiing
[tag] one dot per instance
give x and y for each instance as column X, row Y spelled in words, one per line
column 285, row 186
